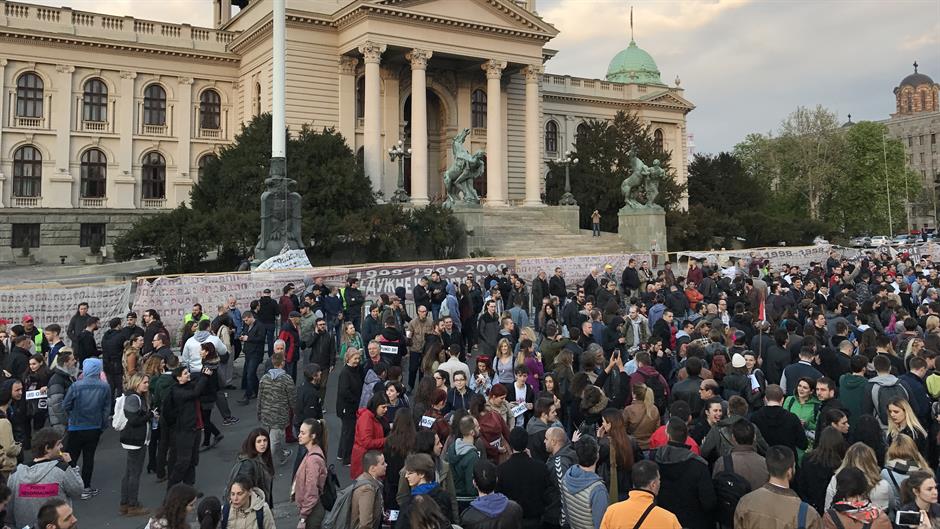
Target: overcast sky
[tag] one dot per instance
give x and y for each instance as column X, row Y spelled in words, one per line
column 745, row 64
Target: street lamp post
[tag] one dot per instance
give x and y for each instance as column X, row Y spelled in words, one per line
column 398, row 153
column 567, row 199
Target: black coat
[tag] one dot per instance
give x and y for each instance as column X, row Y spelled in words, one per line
column 85, row 346
column 780, row 427
column 179, row 407
column 811, row 481
column 322, row 350
column 527, row 482
column 590, row 289
column 254, row 344
column 630, row 279
column 267, row 310
column 17, row 362
column 776, row 359
column 686, row 488
column 112, row 349
column 348, row 391
column 155, row 328
column 438, row 494
column 138, row 420
column 556, row 287
column 308, row 404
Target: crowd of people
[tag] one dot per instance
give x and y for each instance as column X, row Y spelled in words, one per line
column 745, row 396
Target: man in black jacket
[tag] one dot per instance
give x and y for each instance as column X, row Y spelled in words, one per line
column 322, row 353
column 112, row 354
column 85, row 346
column 420, row 294
column 252, row 339
column 438, row 291
column 556, row 285
column 185, row 424
column 686, row 488
column 353, row 302
column 777, row 425
column 526, row 482
column 491, row 508
column 153, row 327
column 17, row 360
column 266, row 315
column 630, row 279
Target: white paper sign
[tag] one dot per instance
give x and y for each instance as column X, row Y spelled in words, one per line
column 497, row 443
column 388, row 349
column 35, row 394
column 427, row 422
column 519, row 409
column 286, row 260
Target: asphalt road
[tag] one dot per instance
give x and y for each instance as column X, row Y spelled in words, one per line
column 211, row 474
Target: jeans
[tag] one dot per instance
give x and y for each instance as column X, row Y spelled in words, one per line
column 596, row 229
column 315, row 518
column 156, row 442
column 435, row 310
column 221, row 402
column 269, row 336
column 209, row 429
column 414, row 365
column 84, row 443
column 130, row 485
column 184, row 457
column 250, row 375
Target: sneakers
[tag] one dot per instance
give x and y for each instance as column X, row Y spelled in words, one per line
column 88, row 493
column 228, row 421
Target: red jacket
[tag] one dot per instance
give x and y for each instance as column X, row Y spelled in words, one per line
column 659, row 438
column 369, row 436
column 492, row 426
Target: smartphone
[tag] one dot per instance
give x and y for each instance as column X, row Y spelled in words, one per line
column 907, row 518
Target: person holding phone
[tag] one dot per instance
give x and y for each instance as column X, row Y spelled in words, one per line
column 919, row 494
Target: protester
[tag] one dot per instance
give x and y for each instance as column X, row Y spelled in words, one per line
column 56, row 514
column 179, row 502
column 852, row 509
column 775, row 506
column 366, row 512
column 48, row 476
column 184, row 421
column 491, row 508
column 639, row 510
column 246, row 507
column 88, row 404
column 276, row 396
column 134, row 438
column 527, row 482
column 255, row 464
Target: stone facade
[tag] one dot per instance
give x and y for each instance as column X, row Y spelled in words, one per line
column 102, row 117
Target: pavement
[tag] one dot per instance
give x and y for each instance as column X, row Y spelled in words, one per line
column 211, row 473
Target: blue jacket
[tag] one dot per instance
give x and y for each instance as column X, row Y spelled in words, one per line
column 88, row 401
column 236, row 316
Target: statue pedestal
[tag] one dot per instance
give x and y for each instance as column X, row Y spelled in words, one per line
column 567, row 216
column 638, row 228
column 471, row 216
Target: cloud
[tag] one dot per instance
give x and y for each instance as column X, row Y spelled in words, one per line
column 193, row 12
column 916, row 42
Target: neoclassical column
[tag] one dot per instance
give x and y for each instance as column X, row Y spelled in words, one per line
column 58, row 192
column 495, row 162
column 3, row 65
column 419, row 126
column 533, row 163
column 347, row 100
column 181, row 185
column 372, row 129
column 122, row 187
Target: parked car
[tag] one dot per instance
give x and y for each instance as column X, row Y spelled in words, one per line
column 860, row 242
column 880, row 240
column 903, row 239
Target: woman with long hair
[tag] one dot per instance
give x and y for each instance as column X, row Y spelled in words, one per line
column 818, row 468
column 426, row 514
column 903, row 420
column 370, row 435
column 350, row 338
column 348, row 391
column 37, row 378
column 399, row 443
column 180, row 500
column 397, row 400
column 482, row 379
column 919, row 493
column 503, row 363
column 831, row 417
column 207, row 400
column 244, row 502
column 852, row 508
column 493, row 424
column 862, row 457
column 134, row 438
column 533, row 362
column 434, row 356
column 804, row 404
column 428, row 442
column 223, row 327
column 642, row 416
column 255, row 463
column 130, row 359
column 618, row 451
column 546, row 315
column 902, row 459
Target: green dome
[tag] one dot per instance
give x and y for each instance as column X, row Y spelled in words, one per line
column 633, row 65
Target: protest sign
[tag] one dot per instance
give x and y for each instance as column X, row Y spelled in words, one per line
column 57, row 304
column 290, row 259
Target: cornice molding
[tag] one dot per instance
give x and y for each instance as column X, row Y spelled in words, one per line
column 628, row 103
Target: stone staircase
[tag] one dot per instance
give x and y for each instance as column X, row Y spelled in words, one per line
column 534, row 232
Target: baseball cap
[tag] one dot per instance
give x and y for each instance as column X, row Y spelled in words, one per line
column 27, row 317
column 267, row 291
column 293, row 314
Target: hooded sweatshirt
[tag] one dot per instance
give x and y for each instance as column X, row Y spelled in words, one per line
column 492, row 511
column 37, row 482
column 585, row 498
column 275, row 398
column 191, row 356
column 852, row 393
column 453, row 308
column 247, row 518
column 462, row 456
column 88, row 401
column 368, row 388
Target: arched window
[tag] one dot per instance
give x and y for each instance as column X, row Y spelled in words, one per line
column 361, row 97
column 204, row 161
column 95, row 101
column 154, row 176
column 93, row 174
column 923, row 101
column 551, row 136
column 478, row 109
column 581, row 131
column 27, row 172
column 910, row 102
column 210, row 110
column 257, row 99
column 29, row 96
column 154, row 105
column 658, row 139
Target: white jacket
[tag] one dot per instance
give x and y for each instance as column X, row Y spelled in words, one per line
column 191, row 356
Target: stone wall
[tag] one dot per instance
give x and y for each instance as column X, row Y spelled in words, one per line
column 60, row 228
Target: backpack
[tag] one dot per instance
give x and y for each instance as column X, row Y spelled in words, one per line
column 659, row 391
column 881, row 394
column 259, row 516
column 338, row 517
column 330, row 487
column 729, row 489
column 119, row 420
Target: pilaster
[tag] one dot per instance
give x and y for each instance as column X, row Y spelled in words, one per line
column 183, row 181
column 372, row 129
column 122, row 188
column 57, row 190
column 419, row 126
column 495, row 135
column 347, row 100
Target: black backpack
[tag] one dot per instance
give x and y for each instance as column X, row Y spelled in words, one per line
column 659, row 391
column 330, row 488
column 729, row 489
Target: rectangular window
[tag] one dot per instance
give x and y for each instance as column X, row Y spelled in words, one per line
column 910, row 141
column 933, row 139
column 921, row 158
column 92, row 234
column 921, row 139
column 25, row 235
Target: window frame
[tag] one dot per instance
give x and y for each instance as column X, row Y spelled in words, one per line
column 659, row 140
column 95, row 101
column 478, row 103
column 35, row 239
column 93, row 173
column 87, row 230
column 154, row 106
column 30, row 96
column 210, row 112
column 21, row 180
column 153, row 175
column 551, row 136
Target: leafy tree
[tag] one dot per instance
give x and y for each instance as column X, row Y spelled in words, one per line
column 339, row 207
column 719, row 182
column 603, row 164
column 174, row 238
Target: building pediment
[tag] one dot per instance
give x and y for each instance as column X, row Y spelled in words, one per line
column 668, row 98
column 494, row 16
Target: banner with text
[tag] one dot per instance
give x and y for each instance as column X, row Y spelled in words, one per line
column 58, row 304
column 385, row 278
column 291, row 259
column 576, row 268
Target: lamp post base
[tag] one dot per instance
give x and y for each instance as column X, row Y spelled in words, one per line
column 567, row 200
column 400, row 196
